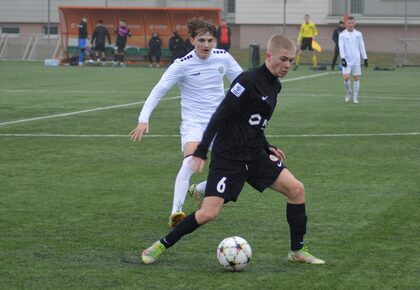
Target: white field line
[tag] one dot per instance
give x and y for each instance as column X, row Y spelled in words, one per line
column 80, row 112
column 46, row 135
column 308, row 77
column 362, row 96
column 120, row 106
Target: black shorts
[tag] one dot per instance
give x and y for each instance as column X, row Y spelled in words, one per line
column 227, row 177
column 99, row 47
column 306, row 43
column 120, row 48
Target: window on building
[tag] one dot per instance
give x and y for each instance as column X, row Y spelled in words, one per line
column 10, row 30
column 356, row 6
column 53, row 29
column 231, row 6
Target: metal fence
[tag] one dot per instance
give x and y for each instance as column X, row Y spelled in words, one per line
column 376, row 8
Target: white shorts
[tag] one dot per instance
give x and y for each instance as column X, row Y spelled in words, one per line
column 192, row 132
column 354, row 69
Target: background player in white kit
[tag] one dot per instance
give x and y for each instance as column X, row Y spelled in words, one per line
column 199, row 75
column 352, row 48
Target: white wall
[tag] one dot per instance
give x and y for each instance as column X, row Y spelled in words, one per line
column 271, row 11
column 36, row 11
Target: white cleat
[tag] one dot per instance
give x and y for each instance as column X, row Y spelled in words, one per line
column 355, row 101
column 347, row 98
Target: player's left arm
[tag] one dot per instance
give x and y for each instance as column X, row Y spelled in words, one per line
column 315, row 31
column 233, row 68
column 273, row 150
column 363, row 50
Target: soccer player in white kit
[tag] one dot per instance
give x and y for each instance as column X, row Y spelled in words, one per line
column 199, row 75
column 352, row 47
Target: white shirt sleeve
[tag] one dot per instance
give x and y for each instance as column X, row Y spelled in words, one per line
column 341, row 44
column 171, row 76
column 233, row 68
column 362, row 47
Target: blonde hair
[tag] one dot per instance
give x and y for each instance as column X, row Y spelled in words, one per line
column 277, row 42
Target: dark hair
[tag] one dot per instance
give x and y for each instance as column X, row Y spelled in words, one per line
column 341, row 22
column 197, row 26
column 100, row 21
column 350, row 18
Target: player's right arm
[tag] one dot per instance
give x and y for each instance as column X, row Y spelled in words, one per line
column 341, row 45
column 300, row 36
column 228, row 107
column 171, row 76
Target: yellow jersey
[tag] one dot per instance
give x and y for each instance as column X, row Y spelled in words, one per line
column 307, row 30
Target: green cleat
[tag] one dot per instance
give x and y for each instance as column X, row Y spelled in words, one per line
column 198, row 196
column 303, row 256
column 150, row 255
column 175, row 219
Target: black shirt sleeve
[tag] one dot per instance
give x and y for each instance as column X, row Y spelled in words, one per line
column 230, row 105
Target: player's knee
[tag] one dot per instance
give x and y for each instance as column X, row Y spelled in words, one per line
column 297, row 191
column 209, row 214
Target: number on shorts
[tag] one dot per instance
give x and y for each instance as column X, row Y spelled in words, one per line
column 221, row 186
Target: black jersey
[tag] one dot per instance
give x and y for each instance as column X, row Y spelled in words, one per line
column 336, row 33
column 238, row 124
column 100, row 34
column 82, row 28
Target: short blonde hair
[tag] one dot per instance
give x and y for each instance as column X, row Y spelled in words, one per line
column 277, row 42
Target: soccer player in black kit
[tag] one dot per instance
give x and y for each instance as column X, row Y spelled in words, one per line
column 241, row 153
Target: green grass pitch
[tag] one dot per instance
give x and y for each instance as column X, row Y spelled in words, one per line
column 79, row 201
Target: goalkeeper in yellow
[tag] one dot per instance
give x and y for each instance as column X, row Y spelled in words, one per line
column 306, row 34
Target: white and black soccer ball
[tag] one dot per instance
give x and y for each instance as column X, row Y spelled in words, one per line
column 234, row 253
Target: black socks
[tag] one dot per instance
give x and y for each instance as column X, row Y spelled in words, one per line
column 296, row 217
column 186, row 226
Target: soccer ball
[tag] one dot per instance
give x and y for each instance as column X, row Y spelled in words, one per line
column 234, row 253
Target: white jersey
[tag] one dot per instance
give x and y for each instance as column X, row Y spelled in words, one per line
column 352, row 46
column 200, row 82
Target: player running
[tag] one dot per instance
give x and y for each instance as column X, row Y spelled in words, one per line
column 241, row 153
column 351, row 48
column 199, row 75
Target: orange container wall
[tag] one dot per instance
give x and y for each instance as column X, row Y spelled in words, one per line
column 142, row 22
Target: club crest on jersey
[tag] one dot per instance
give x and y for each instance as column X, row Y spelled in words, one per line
column 221, row 69
column 273, row 158
column 237, row 90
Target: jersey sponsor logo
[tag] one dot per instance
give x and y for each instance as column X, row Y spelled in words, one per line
column 264, row 98
column 255, row 119
column 237, row 90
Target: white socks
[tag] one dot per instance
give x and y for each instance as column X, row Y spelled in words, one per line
column 182, row 182
column 356, row 86
column 348, row 87
column 201, row 187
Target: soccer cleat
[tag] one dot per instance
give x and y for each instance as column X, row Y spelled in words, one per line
column 198, row 196
column 355, row 101
column 175, row 218
column 303, row 256
column 347, row 98
column 150, row 255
